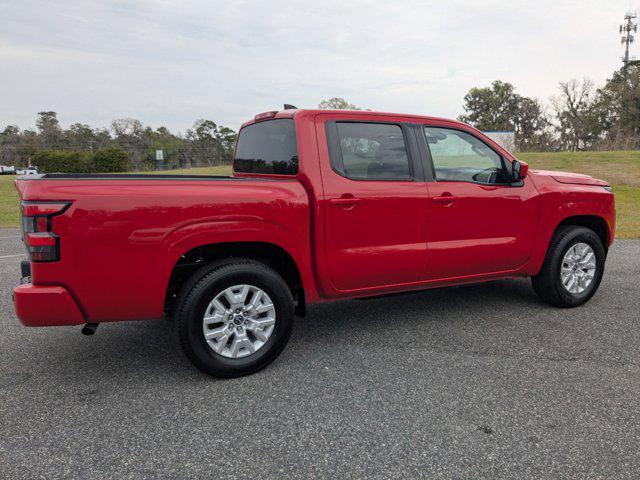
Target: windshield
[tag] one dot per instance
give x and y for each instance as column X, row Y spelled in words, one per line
column 267, row 147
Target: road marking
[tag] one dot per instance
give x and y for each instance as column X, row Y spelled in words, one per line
column 12, row 236
column 14, row 256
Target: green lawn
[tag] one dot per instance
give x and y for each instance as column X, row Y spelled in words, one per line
column 618, row 167
column 219, row 170
column 621, row 169
column 9, row 214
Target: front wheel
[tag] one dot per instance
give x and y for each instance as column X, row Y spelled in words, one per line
column 234, row 319
column 572, row 269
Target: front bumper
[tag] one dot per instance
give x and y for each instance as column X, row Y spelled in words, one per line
column 45, row 306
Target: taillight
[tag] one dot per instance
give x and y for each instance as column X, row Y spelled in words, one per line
column 42, row 244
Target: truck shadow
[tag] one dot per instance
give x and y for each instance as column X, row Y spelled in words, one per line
column 148, row 348
column 449, row 305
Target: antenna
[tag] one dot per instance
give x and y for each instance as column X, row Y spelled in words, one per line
column 627, row 31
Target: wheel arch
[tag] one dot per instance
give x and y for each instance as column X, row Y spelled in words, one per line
column 596, row 223
column 593, row 222
column 268, row 253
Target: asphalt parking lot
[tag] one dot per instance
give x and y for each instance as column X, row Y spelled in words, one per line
column 474, row 382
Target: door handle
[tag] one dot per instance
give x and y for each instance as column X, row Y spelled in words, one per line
column 346, row 201
column 446, row 199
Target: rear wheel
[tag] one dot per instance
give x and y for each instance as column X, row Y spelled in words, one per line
column 572, row 269
column 234, row 319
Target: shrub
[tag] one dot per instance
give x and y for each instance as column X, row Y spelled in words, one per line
column 107, row 160
column 110, row 160
column 61, row 161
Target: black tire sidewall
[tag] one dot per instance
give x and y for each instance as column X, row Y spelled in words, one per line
column 579, row 235
column 197, row 300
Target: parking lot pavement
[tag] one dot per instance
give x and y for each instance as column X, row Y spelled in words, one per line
column 475, row 382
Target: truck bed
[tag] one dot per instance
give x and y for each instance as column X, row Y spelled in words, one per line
column 123, row 234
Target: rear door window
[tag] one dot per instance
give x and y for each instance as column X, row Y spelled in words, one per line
column 371, row 151
column 267, row 147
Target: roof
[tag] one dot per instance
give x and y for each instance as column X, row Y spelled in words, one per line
column 291, row 112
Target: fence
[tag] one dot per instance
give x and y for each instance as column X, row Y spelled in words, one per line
column 140, row 159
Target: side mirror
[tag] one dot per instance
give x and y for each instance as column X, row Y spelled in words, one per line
column 518, row 170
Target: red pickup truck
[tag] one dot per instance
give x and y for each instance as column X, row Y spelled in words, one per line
column 322, row 205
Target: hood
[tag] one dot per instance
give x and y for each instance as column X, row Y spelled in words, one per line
column 572, row 178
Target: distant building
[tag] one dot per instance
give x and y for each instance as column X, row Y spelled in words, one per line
column 506, row 140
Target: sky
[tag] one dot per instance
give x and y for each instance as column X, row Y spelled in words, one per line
column 172, row 62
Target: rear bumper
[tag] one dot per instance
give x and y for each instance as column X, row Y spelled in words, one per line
column 45, row 306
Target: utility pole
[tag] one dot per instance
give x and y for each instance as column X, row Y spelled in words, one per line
column 627, row 30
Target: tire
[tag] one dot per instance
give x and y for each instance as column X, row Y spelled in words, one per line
column 548, row 283
column 197, row 299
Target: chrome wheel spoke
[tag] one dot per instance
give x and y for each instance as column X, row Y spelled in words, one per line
column 216, row 333
column 588, row 259
column 255, row 301
column 215, row 307
column 264, row 308
column 218, row 338
column 215, row 318
column 240, row 342
column 570, row 281
column 264, row 322
column 260, row 334
column 230, row 296
column 242, row 297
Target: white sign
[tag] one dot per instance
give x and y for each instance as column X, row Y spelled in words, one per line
column 159, row 155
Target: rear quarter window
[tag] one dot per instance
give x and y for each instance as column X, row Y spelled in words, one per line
column 267, row 147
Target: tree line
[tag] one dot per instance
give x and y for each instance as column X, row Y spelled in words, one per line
column 580, row 116
column 205, row 144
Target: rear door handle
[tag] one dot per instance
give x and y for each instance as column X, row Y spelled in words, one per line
column 346, row 201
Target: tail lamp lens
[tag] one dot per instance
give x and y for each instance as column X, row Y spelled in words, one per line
column 42, row 244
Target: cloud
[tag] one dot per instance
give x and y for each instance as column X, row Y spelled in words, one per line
column 171, row 62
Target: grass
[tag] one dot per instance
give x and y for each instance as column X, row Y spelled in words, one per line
column 620, row 168
column 617, row 167
column 219, row 170
column 9, row 206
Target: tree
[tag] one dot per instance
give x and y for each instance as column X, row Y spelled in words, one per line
column 16, row 147
column 576, row 117
column 227, row 138
column 491, row 108
column 500, row 108
column 10, row 131
column 337, row 103
column 130, row 136
column 9, row 140
column 617, row 107
column 80, row 136
column 49, row 128
column 532, row 126
column 172, row 146
column 209, row 143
